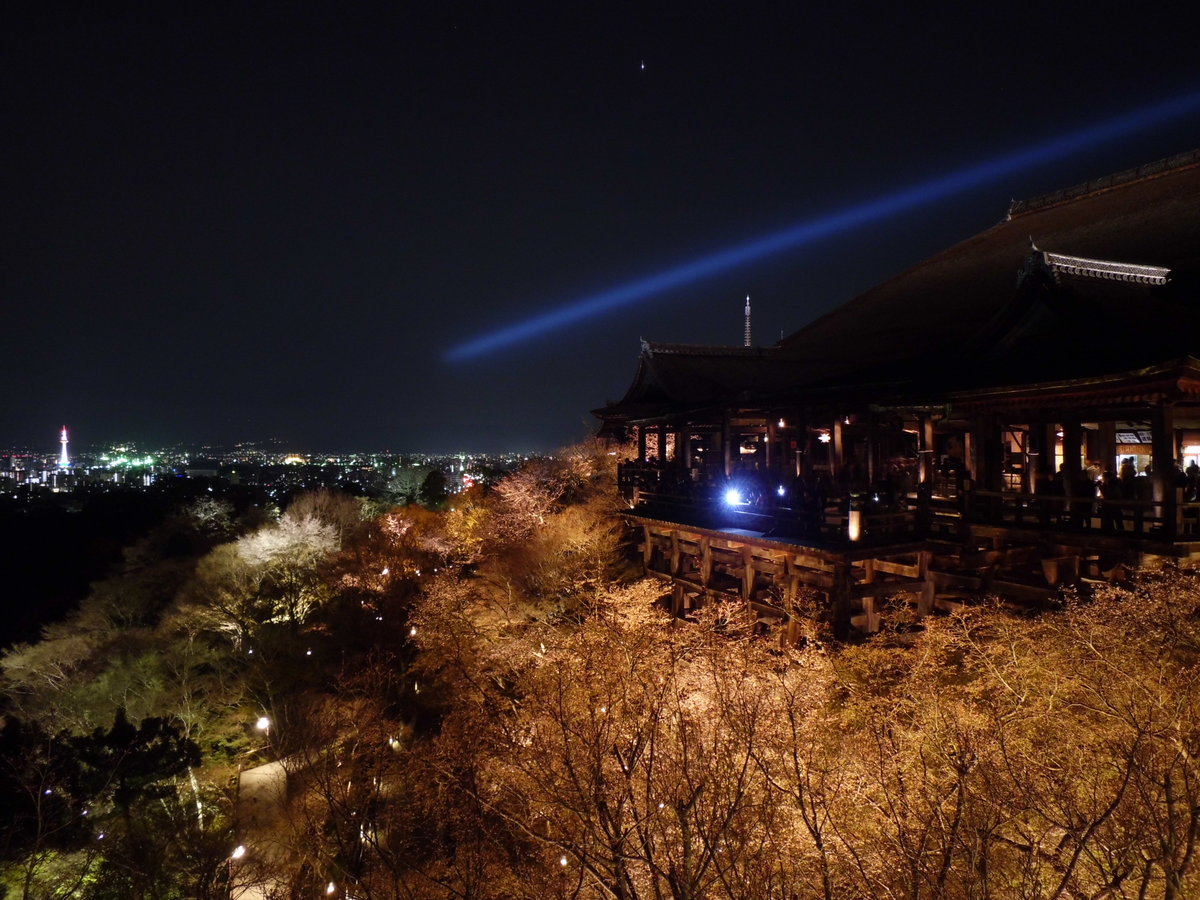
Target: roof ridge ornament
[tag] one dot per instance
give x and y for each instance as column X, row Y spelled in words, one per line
column 1108, row 270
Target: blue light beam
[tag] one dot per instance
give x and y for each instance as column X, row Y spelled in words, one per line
column 824, row 226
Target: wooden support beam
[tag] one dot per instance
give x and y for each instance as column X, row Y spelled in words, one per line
column 884, row 588
column 768, row 566
column 791, row 590
column 925, row 603
column 821, row 581
column 869, row 621
column 891, row 567
column 839, row 601
column 747, row 573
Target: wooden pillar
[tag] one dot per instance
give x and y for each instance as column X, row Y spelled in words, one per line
column 1050, row 458
column 771, row 437
column 870, row 614
column 790, row 593
column 1035, row 453
column 1073, row 479
column 969, row 462
column 1028, row 475
column 925, row 466
column 1072, row 448
column 641, row 430
column 839, row 599
column 1107, row 445
column 873, row 449
column 804, row 466
column 684, row 446
column 1162, row 462
column 1043, row 437
column 727, row 444
column 989, row 454
column 839, row 449
column 747, row 574
column 706, row 562
column 677, row 604
column 647, row 549
column 676, row 556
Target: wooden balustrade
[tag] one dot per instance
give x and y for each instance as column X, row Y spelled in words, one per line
column 659, row 492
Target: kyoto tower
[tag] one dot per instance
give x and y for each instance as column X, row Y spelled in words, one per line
column 64, row 461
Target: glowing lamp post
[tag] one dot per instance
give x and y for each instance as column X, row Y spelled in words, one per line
column 854, row 520
column 238, row 853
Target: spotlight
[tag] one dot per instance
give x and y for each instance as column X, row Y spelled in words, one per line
column 830, row 224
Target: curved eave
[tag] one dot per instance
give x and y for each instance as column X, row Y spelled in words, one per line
column 1172, row 381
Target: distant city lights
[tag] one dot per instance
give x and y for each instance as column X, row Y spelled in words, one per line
column 25, row 473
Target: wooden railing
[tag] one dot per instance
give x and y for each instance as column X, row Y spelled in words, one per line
column 1128, row 517
column 830, row 523
column 663, row 493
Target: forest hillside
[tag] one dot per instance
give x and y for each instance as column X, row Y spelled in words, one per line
column 485, row 701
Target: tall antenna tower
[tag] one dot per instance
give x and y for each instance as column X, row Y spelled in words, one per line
column 64, row 461
column 746, row 337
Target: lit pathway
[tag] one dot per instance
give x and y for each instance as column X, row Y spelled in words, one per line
column 261, row 798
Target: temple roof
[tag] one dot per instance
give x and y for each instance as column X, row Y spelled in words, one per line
column 686, row 376
column 1094, row 280
column 1151, row 222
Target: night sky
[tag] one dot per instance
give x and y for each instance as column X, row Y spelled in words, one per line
column 227, row 223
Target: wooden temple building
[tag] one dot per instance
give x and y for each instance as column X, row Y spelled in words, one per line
column 1018, row 412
